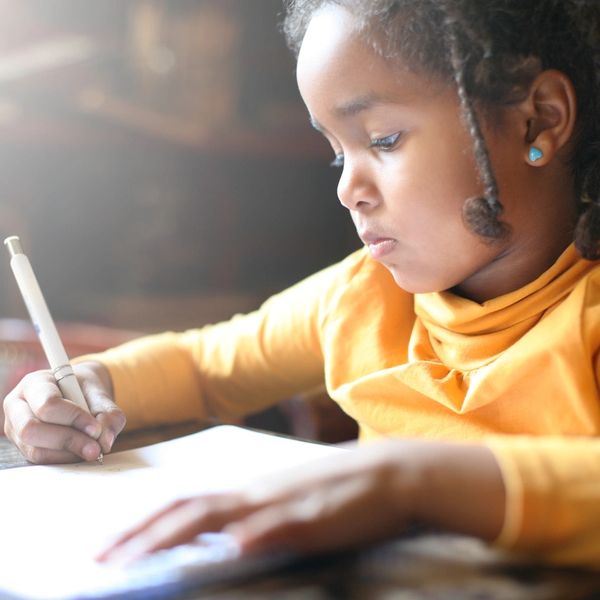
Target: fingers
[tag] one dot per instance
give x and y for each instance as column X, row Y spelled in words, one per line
column 47, row 428
column 178, row 523
column 304, row 524
column 355, row 499
column 123, row 539
column 112, row 423
column 97, row 390
column 108, row 416
column 348, row 500
column 47, row 404
column 44, row 443
column 281, row 527
column 318, row 512
column 307, row 525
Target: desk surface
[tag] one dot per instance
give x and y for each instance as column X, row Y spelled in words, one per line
column 419, row 567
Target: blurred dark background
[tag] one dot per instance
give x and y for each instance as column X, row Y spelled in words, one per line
column 157, row 161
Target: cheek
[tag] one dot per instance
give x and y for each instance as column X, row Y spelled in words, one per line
column 446, row 158
column 455, row 169
column 432, row 183
column 512, row 176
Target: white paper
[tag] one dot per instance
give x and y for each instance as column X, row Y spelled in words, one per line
column 54, row 519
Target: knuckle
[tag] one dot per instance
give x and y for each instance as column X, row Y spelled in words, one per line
column 8, row 400
column 28, row 431
column 8, row 431
column 48, row 409
column 218, row 510
column 29, row 378
column 202, row 514
column 309, row 508
column 214, row 503
column 35, row 377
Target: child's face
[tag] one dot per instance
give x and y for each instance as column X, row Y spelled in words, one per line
column 408, row 164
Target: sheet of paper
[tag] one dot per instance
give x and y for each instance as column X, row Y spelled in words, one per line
column 54, row 519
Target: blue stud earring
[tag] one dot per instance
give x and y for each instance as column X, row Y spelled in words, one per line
column 535, row 154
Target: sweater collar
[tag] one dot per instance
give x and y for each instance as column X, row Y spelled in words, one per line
column 453, row 313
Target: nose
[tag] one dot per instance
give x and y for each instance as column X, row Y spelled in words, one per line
column 356, row 189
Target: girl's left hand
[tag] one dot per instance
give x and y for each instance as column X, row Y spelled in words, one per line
column 354, row 498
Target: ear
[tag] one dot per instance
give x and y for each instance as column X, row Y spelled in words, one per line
column 550, row 111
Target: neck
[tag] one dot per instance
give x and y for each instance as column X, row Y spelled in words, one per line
column 523, row 258
column 510, row 271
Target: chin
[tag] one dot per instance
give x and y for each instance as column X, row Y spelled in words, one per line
column 416, row 285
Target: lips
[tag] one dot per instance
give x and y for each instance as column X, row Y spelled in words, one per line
column 379, row 245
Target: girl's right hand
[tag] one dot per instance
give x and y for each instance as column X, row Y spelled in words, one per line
column 49, row 429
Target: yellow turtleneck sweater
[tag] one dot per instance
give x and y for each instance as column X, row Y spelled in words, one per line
column 518, row 373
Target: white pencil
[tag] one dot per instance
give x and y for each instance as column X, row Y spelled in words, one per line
column 44, row 325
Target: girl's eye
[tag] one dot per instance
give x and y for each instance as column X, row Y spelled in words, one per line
column 386, row 143
column 338, row 161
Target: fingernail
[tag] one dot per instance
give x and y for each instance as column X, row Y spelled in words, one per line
column 106, row 440
column 93, row 431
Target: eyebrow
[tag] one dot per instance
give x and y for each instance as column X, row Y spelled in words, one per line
column 354, row 107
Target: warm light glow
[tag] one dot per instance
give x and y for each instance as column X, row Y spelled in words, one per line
column 44, row 56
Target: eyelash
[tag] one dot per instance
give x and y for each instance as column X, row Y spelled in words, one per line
column 337, row 162
column 385, row 144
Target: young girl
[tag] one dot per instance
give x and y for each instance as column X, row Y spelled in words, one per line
column 464, row 337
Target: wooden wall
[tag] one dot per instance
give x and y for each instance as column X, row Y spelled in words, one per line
column 157, row 161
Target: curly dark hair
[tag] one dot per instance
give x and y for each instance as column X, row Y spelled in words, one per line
column 492, row 50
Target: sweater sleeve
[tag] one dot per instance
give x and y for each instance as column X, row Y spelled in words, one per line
column 552, row 497
column 227, row 369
